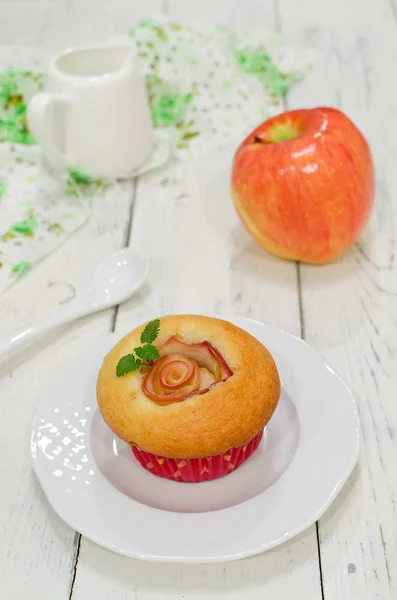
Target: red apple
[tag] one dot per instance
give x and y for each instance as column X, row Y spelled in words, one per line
column 303, row 184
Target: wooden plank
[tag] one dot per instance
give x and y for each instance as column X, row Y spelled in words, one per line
column 182, row 232
column 203, row 261
column 37, row 550
column 88, row 21
column 350, row 310
column 36, row 545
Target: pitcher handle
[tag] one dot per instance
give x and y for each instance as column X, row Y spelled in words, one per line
column 38, row 118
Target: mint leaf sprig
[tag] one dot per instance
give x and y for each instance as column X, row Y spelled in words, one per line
column 127, row 364
column 150, row 332
column 145, row 354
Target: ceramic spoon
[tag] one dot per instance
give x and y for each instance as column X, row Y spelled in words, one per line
column 114, row 280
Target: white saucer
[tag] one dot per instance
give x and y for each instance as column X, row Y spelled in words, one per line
column 95, row 484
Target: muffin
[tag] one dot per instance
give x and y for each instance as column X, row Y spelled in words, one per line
column 190, row 394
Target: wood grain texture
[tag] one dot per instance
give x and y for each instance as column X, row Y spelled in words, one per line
column 89, row 21
column 24, row 23
column 36, row 546
column 37, row 550
column 203, row 261
column 350, row 309
column 182, row 229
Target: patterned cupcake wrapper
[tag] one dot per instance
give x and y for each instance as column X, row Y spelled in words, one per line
column 195, row 470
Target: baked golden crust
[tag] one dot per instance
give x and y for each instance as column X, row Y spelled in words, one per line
column 227, row 416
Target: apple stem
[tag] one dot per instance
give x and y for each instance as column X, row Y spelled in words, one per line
column 258, row 140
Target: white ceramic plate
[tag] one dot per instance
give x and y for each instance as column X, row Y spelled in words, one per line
column 94, row 483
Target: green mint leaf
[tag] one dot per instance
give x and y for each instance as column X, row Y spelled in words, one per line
column 127, row 364
column 147, row 352
column 150, row 332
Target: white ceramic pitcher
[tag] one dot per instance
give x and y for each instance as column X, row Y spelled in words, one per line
column 93, row 115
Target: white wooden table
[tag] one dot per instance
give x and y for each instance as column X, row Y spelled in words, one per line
column 347, row 311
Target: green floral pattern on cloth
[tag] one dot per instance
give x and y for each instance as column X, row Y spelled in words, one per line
column 169, row 109
column 15, row 89
column 36, row 225
column 208, row 85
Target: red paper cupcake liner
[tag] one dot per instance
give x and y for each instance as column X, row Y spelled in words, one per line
column 195, row 470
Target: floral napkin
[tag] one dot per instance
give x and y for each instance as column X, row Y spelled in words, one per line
column 207, row 86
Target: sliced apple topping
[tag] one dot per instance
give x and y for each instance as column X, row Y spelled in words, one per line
column 184, row 370
column 206, row 379
column 179, row 372
column 204, row 354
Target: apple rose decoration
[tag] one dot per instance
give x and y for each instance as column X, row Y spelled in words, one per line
column 175, row 371
column 184, row 370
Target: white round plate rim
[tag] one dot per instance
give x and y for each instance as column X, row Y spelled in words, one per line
column 256, row 547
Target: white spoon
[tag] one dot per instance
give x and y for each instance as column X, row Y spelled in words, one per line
column 113, row 281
